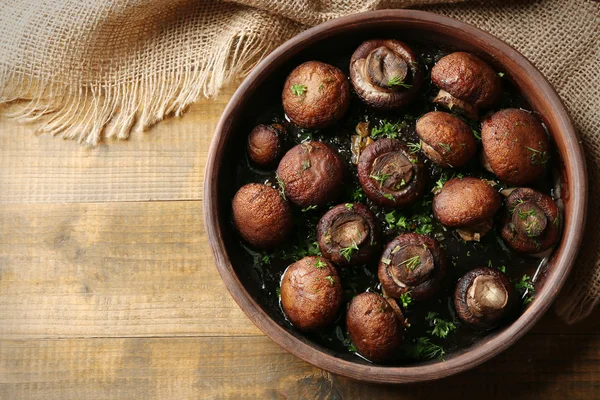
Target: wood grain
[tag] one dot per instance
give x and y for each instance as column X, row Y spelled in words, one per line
column 255, row 368
column 111, row 269
column 165, row 163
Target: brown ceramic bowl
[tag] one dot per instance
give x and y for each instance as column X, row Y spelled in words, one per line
column 342, row 36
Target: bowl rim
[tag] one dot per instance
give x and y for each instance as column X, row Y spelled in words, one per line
column 564, row 260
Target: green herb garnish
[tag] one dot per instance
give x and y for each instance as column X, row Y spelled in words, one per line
column 386, row 129
column 446, row 147
column 411, row 263
column 346, row 252
column 405, row 299
column 398, row 81
column 349, row 206
column 529, row 289
column 389, row 196
column 538, row 157
column 298, row 90
column 313, row 207
column 330, row 279
column 319, row 264
column 281, row 186
column 423, row 349
column 415, row 147
column 441, row 328
column 305, row 165
column 380, row 177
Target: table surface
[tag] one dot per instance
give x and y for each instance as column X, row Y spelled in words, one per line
column 108, row 288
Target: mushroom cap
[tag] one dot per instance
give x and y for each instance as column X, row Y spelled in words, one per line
column 261, row 216
column 312, row 174
column 345, row 226
column 265, row 144
column 531, row 221
column 468, row 78
column 374, row 327
column 379, row 71
column 446, row 140
column 484, row 297
column 390, row 175
column 515, row 145
column 311, row 293
column 465, row 202
column 412, row 263
column 315, row 95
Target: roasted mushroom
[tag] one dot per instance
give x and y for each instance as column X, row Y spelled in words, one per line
column 412, row 263
column 375, row 326
column 265, row 145
column 347, row 234
column 311, row 173
column 468, row 204
column 385, row 73
column 466, row 83
column 445, row 139
column 531, row 221
column 315, row 95
column 390, row 175
column 261, row 216
column 515, row 146
column 311, row 293
column 484, row 297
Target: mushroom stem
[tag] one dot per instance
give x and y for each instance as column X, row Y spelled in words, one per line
column 454, row 104
column 486, row 296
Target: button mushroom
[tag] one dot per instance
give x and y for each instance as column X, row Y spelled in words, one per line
column 466, row 83
column 445, row 139
column 311, row 173
column 515, row 146
column 265, row 144
column 390, row 175
column 375, row 327
column 311, row 293
column 385, row 73
column 412, row 263
column 261, row 216
column 347, row 234
column 531, row 222
column 315, row 95
column 483, row 298
column 468, row 204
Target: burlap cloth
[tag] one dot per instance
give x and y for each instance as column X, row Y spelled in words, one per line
column 92, row 69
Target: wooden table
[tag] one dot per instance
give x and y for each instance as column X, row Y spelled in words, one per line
column 108, row 289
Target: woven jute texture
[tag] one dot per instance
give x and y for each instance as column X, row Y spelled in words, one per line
column 94, row 69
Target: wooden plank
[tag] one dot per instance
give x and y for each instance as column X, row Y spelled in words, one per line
column 255, row 368
column 165, row 163
column 111, row 269
column 124, row 269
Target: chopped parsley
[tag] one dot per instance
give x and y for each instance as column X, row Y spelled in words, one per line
column 281, row 186
column 527, row 286
column 330, row 279
column 298, row 90
column 441, row 328
column 386, row 129
column 423, row 349
column 309, row 208
column 349, row 206
column 405, row 299
column 319, row 264
column 346, row 252
column 415, row 147
column 380, row 177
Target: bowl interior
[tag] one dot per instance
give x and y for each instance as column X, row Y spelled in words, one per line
column 331, row 41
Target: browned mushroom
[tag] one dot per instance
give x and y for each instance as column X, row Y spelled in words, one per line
column 265, row 144
column 515, row 146
column 531, row 221
column 466, row 83
column 375, row 327
column 468, row 204
column 484, row 297
column 390, row 175
column 385, row 73
column 261, row 216
column 347, row 234
column 412, row 263
column 445, row 139
column 315, row 95
column 311, row 173
column 311, row 293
